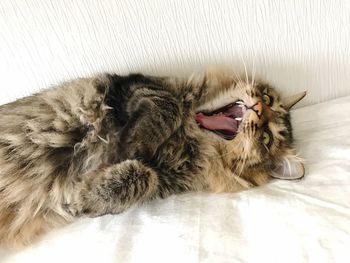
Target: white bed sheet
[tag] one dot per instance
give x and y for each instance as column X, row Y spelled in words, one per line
column 305, row 221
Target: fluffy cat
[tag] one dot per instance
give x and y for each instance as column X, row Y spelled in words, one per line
column 99, row 145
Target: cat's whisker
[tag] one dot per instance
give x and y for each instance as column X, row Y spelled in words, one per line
column 234, row 78
column 267, row 148
column 242, row 166
column 238, row 78
column 253, row 71
column 225, row 154
column 246, row 73
column 102, row 139
column 241, row 163
column 239, row 168
column 244, row 162
column 245, row 69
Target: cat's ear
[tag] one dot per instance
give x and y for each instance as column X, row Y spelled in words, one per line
column 289, row 167
column 292, row 100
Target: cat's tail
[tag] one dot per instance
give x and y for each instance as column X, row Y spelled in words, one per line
column 14, row 235
column 26, row 213
column 19, row 230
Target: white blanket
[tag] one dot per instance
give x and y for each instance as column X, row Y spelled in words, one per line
column 284, row 221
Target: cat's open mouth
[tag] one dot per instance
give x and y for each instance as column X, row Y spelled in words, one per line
column 224, row 121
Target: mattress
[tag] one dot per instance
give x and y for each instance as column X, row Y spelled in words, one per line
column 284, row 221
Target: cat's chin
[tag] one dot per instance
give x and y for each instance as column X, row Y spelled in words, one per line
column 224, row 121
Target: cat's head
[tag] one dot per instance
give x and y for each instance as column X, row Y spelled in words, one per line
column 252, row 122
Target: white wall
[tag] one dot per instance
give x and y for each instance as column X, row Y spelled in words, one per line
column 295, row 44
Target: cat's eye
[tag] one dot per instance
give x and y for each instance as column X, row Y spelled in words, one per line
column 266, row 138
column 268, row 100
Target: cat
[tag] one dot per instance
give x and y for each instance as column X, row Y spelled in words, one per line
column 95, row 146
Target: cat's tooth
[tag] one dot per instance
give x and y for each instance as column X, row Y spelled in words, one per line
column 107, row 107
column 238, row 119
column 239, row 102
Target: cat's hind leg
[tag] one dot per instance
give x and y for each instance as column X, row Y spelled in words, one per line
column 114, row 189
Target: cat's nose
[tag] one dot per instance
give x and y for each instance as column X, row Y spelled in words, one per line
column 258, row 108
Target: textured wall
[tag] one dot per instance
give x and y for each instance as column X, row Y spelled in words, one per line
column 295, row 44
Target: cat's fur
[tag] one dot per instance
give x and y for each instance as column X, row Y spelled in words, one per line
column 100, row 145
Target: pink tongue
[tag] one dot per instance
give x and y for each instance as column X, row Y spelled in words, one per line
column 217, row 122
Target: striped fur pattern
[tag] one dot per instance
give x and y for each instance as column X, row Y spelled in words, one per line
column 100, row 145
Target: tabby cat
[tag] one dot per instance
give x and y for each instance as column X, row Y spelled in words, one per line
column 100, row 145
